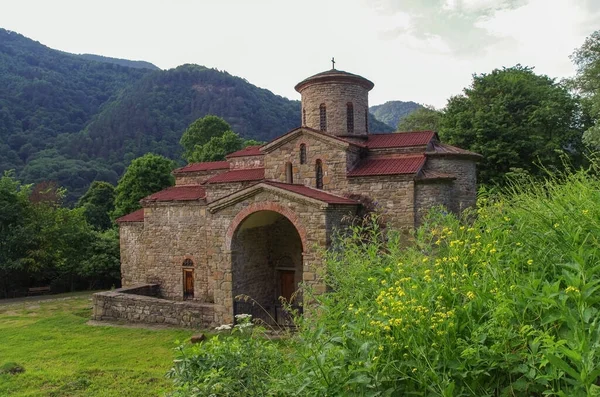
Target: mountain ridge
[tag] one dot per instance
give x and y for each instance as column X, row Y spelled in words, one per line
column 71, row 119
column 391, row 112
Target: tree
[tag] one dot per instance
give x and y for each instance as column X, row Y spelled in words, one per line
column 217, row 148
column 102, row 266
column 587, row 82
column 98, row 203
column 424, row 118
column 200, row 132
column 145, row 175
column 15, row 231
column 515, row 119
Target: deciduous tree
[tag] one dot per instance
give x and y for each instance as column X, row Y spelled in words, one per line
column 515, row 119
column 425, row 118
column 200, row 132
column 98, row 203
column 587, row 83
column 218, row 147
column 145, row 175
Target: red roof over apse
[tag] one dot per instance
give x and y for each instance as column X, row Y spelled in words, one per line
column 391, row 166
column 135, row 216
column 248, row 151
column 312, row 193
column 206, row 166
column 399, row 139
column 242, row 175
column 178, row 193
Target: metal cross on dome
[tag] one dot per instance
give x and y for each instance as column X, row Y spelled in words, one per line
column 333, row 63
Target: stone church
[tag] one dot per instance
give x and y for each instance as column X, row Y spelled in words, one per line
column 253, row 224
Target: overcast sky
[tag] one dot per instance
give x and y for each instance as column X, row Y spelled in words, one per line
column 419, row 50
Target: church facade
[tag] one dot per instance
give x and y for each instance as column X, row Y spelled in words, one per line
column 253, row 225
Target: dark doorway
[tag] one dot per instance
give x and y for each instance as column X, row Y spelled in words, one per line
column 267, row 267
column 188, row 283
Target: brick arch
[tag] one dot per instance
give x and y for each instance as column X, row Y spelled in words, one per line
column 265, row 206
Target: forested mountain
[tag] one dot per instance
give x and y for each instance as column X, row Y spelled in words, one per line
column 74, row 119
column 392, row 112
column 119, row 61
column 154, row 112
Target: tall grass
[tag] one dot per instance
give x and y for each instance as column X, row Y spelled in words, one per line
column 501, row 302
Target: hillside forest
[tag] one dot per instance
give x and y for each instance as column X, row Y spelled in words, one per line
column 74, row 119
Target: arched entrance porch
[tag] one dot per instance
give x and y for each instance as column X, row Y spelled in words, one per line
column 266, row 265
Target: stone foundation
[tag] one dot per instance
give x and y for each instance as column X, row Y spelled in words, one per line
column 139, row 304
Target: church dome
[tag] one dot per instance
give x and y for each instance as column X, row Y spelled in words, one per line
column 336, row 102
column 334, row 75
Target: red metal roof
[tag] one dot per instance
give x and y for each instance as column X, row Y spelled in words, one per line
column 389, row 166
column 312, row 193
column 248, row 151
column 178, row 193
column 242, row 175
column 135, row 216
column 206, row 166
column 399, row 139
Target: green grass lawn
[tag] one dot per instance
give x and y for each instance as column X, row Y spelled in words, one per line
column 63, row 356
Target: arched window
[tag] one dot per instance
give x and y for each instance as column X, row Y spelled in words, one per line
column 367, row 120
column 323, row 117
column 188, row 263
column 302, row 153
column 303, row 117
column 350, row 117
column 319, row 174
column 289, row 173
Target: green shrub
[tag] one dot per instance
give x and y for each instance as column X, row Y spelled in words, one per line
column 11, row 368
column 235, row 364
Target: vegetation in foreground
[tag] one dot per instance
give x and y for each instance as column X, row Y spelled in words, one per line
column 501, row 303
column 47, row 349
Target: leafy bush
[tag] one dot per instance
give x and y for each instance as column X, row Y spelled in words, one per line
column 11, row 368
column 501, row 302
column 238, row 364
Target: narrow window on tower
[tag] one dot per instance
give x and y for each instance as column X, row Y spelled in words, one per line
column 367, row 120
column 319, row 174
column 303, row 117
column 302, row 153
column 350, row 117
column 323, row 117
column 289, row 173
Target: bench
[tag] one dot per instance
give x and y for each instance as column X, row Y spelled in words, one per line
column 38, row 290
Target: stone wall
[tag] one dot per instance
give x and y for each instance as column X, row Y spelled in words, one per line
column 429, row 194
column 334, row 160
column 465, row 185
column 215, row 191
column 195, row 178
column 335, row 96
column 131, row 243
column 174, row 232
column 393, row 196
column 246, row 162
column 252, row 274
column 124, row 305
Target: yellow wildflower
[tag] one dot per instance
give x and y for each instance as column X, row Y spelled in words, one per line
column 572, row 289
